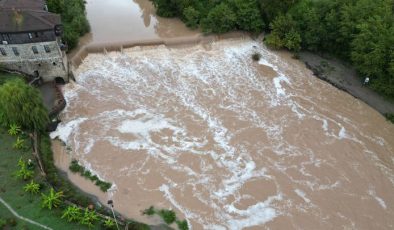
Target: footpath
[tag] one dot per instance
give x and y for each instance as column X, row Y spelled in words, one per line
column 21, row 217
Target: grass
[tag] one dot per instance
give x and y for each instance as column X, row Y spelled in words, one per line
column 11, row 190
column 4, row 76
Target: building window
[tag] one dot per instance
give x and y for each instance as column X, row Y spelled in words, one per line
column 16, row 52
column 35, row 50
column 2, row 50
column 47, row 49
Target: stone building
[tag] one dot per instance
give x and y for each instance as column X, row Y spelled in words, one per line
column 30, row 40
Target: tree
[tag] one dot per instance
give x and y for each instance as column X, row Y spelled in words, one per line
column 72, row 213
column 52, row 200
column 32, row 187
column 292, row 41
column 22, row 104
column 191, row 17
column 248, row 15
column 284, row 34
column 220, row 19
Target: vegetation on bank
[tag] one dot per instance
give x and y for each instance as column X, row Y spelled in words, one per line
column 43, row 197
column 168, row 216
column 75, row 167
column 73, row 14
column 358, row 31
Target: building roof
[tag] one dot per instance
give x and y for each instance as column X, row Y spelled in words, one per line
column 27, row 20
column 22, row 4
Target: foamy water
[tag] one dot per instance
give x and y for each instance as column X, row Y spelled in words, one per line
column 227, row 142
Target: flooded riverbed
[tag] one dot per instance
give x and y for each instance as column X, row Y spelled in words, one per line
column 226, row 142
column 229, row 143
column 129, row 20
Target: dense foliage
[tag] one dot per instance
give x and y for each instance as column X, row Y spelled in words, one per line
column 358, row 31
column 214, row 16
column 22, row 104
column 74, row 19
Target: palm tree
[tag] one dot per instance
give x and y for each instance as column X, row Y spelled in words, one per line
column 23, row 172
column 14, row 129
column 89, row 217
column 32, row 187
column 72, row 213
column 52, row 200
column 19, row 143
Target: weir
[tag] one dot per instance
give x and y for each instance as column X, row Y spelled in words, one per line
column 82, row 52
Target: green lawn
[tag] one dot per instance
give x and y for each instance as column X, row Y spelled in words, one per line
column 11, row 190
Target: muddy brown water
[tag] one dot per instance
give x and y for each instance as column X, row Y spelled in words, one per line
column 226, row 142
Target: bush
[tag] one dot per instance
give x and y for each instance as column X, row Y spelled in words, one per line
column 168, row 216
column 256, row 56
column 32, row 187
column 76, row 167
column 149, row 211
column 390, row 117
column 182, row 225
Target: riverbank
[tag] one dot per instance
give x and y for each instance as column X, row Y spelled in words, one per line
column 345, row 78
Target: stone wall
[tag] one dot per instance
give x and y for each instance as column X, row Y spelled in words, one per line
column 49, row 65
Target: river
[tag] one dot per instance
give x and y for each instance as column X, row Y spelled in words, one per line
column 226, row 142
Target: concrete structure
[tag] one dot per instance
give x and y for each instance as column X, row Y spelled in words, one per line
column 30, row 40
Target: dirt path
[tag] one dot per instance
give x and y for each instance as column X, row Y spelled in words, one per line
column 345, row 78
column 21, row 217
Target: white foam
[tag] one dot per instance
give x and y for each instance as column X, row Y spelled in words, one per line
column 280, row 91
column 257, row 214
column 63, row 131
column 302, row 194
column 380, row 201
column 342, row 133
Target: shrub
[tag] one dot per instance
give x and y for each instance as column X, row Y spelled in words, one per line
column 23, row 173
column 3, row 223
column 14, row 129
column 32, row 187
column 19, row 143
column 72, row 213
column 88, row 218
column 52, row 200
column 75, row 167
column 390, row 117
column 168, row 216
column 182, row 225
column 256, row 56
column 149, row 211
column 109, row 224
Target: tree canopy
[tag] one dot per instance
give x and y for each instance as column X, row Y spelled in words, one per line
column 22, row 104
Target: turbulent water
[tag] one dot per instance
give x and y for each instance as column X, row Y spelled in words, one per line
column 229, row 143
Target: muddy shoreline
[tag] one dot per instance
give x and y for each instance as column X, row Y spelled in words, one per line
column 345, row 78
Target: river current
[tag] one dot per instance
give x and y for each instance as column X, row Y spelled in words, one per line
column 227, row 142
